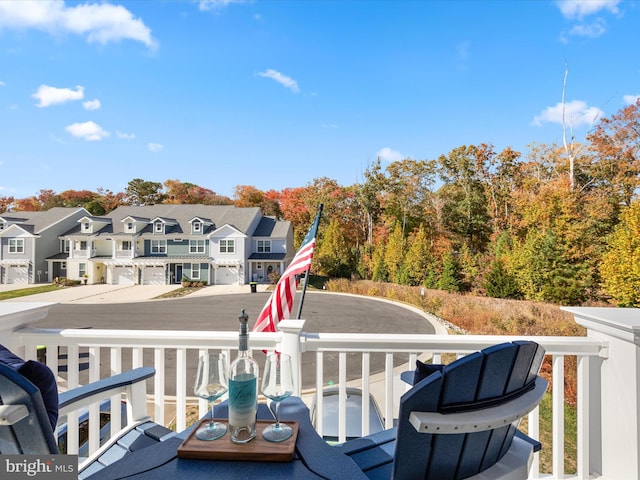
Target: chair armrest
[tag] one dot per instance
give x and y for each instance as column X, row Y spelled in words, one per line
column 407, row 376
column 482, row 419
column 12, row 414
column 87, row 394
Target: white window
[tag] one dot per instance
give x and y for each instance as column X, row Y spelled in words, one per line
column 129, row 227
column 86, row 226
column 227, row 246
column 264, row 246
column 65, row 246
column 16, row 245
column 82, row 269
column 158, row 227
column 197, row 227
column 1, row 225
column 158, row 246
column 83, row 245
column 126, row 245
column 196, row 246
column 195, row 271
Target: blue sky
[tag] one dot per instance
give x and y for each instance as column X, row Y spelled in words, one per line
column 276, row 93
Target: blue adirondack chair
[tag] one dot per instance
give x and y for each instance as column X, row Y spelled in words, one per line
column 25, row 425
column 461, row 420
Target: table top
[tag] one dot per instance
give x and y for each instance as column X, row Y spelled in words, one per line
column 313, row 458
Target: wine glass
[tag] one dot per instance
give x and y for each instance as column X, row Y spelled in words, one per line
column 277, row 384
column 211, row 383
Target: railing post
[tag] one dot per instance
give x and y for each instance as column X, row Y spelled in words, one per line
column 291, row 330
column 619, row 392
column 17, row 315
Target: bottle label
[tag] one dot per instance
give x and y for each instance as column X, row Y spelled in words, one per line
column 242, row 395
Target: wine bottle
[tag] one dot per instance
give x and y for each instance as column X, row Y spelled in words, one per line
column 243, row 389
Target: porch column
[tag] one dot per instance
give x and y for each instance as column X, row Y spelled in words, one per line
column 291, row 330
column 619, row 391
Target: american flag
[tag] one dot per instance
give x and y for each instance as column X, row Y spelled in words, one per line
column 279, row 305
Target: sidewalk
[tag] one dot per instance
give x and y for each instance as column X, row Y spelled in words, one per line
column 101, row 293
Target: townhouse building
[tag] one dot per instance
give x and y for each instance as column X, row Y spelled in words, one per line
column 28, row 239
column 164, row 244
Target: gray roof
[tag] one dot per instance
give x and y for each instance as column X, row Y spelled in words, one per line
column 36, row 222
column 219, row 215
column 270, row 227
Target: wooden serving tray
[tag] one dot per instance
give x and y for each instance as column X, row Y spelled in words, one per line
column 257, row 450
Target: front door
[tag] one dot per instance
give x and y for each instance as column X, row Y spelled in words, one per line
column 178, row 277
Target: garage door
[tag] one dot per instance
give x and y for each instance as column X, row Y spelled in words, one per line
column 122, row 276
column 153, row 275
column 226, row 275
column 17, row 274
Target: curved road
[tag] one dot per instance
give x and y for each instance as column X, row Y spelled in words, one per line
column 323, row 311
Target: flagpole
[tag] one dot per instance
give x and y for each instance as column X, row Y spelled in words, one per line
column 306, row 275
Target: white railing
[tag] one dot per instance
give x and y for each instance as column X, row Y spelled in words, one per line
column 379, row 357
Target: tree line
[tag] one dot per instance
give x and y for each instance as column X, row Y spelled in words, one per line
column 559, row 223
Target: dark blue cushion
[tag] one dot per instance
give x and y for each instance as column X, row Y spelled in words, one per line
column 423, row 370
column 38, row 374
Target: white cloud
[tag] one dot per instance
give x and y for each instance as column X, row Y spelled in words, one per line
column 388, row 155
column 328, row 125
column 206, row 5
column 583, row 8
column 90, row 131
column 99, row 22
column 283, row 80
column 52, row 96
column 2, row 84
column 592, row 30
column 125, row 136
column 576, row 113
column 154, row 147
column 631, row 99
column 92, row 104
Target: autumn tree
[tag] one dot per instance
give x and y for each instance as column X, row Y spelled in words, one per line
column 419, row 262
column 620, row 267
column 465, row 214
column 408, row 187
column 615, row 143
column 6, row 203
column 334, row 255
column 247, row 196
column 369, row 197
column 394, row 253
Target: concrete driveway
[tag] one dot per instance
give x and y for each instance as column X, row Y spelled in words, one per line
column 218, row 307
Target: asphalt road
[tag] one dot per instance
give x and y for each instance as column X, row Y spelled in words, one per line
column 323, row 312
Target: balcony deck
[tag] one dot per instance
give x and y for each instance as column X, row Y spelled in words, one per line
column 608, row 423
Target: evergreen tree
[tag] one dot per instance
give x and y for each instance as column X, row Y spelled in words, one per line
column 419, row 261
column 394, row 253
column 333, row 255
column 450, row 277
column 380, row 273
column 498, row 283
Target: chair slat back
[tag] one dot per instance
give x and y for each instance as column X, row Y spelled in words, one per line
column 490, row 377
column 33, row 434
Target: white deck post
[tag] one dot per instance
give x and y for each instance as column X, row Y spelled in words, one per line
column 619, row 401
column 291, row 330
column 17, row 315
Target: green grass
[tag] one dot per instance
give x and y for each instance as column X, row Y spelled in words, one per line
column 23, row 292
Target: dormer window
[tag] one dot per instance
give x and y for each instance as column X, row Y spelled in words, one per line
column 1, row 225
column 197, row 227
column 129, row 227
column 86, row 227
column 158, row 227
